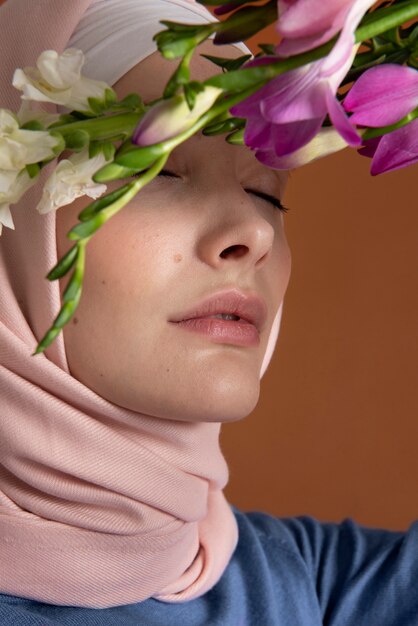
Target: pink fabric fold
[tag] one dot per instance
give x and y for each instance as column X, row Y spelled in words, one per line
column 99, row 505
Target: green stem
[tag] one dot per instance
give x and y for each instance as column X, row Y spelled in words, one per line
column 103, row 128
column 387, row 18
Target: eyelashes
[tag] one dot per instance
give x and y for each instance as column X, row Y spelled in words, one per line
column 260, row 194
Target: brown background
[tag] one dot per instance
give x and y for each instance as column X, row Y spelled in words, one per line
column 335, row 433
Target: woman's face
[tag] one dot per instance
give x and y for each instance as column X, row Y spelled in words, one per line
column 179, row 241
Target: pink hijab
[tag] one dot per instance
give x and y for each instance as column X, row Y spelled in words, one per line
column 99, row 505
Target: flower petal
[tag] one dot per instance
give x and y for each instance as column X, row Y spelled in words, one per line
column 341, row 122
column 305, row 99
column 369, row 147
column 71, row 179
column 287, row 138
column 276, row 86
column 290, row 47
column 309, row 17
column 6, row 217
column 61, row 71
column 326, row 142
column 396, row 149
column 257, row 133
column 383, row 95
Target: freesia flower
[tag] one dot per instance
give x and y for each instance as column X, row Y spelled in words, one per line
column 57, row 78
column 27, row 114
column 71, row 179
column 12, row 187
column 287, row 113
column 382, row 96
column 306, row 24
column 393, row 150
column 326, row 142
column 21, row 147
column 172, row 116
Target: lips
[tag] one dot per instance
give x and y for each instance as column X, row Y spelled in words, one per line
column 247, row 307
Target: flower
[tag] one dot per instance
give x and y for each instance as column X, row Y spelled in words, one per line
column 326, row 142
column 172, row 116
column 71, row 179
column 287, row 113
column 393, row 150
column 28, row 114
column 57, row 78
column 12, row 187
column 19, row 147
column 382, row 96
column 306, row 24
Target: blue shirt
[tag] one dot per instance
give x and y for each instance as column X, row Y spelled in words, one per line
column 290, row 571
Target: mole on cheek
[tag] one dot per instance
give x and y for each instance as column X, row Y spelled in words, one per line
column 177, row 258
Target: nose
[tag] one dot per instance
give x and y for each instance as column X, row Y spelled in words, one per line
column 236, row 231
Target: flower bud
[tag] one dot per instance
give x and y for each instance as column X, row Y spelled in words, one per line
column 168, row 118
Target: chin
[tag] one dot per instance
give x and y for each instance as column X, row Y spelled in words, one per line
column 226, row 400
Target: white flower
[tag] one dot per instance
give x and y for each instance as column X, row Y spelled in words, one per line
column 71, row 179
column 12, row 187
column 26, row 114
column 57, row 78
column 21, row 147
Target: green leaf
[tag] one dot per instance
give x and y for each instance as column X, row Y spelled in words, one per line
column 112, row 171
column 227, row 64
column 60, row 145
column 102, row 203
column 33, row 125
column 96, row 105
column 65, row 314
column 190, row 91
column 72, row 291
column 267, row 48
column 224, row 127
column 110, row 97
column 87, row 228
column 132, row 102
column 237, row 138
column 46, row 340
column 142, row 157
column 177, row 42
column 65, row 118
column 109, row 150
column 180, row 77
column 62, row 267
column 77, row 140
column 33, row 169
column 246, row 22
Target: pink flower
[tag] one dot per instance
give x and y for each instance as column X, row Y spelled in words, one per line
column 382, row 96
column 306, row 24
column 287, row 113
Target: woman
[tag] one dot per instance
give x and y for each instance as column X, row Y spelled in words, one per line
column 111, row 503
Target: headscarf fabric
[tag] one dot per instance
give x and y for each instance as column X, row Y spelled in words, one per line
column 100, row 506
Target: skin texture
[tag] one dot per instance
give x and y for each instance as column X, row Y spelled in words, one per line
column 162, row 254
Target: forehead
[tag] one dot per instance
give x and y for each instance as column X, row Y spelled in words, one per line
column 150, row 76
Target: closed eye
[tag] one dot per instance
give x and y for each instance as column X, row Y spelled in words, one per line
column 260, row 194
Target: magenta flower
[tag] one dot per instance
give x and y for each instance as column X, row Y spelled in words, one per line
column 382, row 96
column 287, row 113
column 306, row 24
